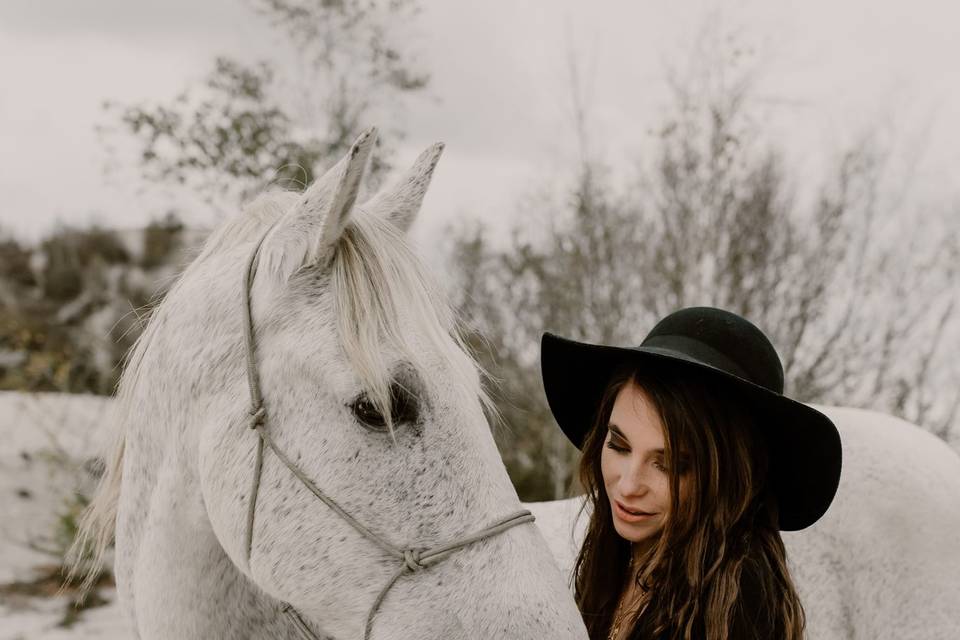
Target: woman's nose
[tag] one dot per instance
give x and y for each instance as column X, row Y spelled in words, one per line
column 634, row 480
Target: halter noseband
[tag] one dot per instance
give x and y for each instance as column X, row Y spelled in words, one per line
column 412, row 559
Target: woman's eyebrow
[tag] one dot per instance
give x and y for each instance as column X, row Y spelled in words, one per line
column 683, row 457
column 616, row 430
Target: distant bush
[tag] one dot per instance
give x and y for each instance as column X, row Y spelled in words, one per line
column 160, row 239
column 15, row 264
column 68, row 254
column 49, row 358
column 72, row 304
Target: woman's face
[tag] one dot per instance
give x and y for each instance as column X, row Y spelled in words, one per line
column 634, row 466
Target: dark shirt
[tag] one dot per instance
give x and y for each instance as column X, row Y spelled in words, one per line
column 750, row 621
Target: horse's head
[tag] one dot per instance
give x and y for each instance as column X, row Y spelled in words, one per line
column 368, row 391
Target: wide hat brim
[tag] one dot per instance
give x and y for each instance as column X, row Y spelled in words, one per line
column 805, row 446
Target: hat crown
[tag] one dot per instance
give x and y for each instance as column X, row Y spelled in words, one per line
column 723, row 340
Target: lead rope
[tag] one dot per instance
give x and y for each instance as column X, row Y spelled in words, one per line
column 412, row 559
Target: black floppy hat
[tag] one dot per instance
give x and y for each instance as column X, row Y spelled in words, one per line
column 805, row 448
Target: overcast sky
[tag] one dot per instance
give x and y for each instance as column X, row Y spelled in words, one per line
column 499, row 89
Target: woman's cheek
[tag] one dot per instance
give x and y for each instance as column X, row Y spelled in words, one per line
column 605, row 464
column 663, row 493
column 612, row 467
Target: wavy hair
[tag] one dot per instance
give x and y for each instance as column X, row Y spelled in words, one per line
column 721, row 525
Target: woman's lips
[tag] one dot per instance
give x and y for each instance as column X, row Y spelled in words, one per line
column 621, row 512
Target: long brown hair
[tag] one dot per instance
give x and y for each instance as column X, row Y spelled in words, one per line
column 722, row 520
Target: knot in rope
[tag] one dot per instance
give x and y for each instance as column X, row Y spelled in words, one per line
column 257, row 416
column 411, row 560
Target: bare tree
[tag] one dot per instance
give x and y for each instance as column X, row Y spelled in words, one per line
column 859, row 319
column 72, row 304
column 247, row 125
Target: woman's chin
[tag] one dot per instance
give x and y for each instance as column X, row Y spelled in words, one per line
column 633, row 532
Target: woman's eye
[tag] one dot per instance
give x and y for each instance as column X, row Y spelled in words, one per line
column 659, row 466
column 610, row 445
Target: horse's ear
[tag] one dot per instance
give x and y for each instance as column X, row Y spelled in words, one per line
column 401, row 202
column 308, row 233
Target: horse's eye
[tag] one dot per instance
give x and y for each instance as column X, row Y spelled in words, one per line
column 403, row 409
column 368, row 414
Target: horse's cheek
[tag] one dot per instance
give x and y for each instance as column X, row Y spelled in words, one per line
column 226, row 471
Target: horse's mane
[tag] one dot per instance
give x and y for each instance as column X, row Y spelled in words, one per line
column 377, row 281
column 381, row 286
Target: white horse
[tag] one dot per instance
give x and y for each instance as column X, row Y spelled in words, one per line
column 322, row 520
column 884, row 562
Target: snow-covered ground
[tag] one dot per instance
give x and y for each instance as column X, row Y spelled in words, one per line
column 48, row 446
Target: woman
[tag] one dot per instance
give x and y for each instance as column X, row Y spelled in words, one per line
column 693, row 462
